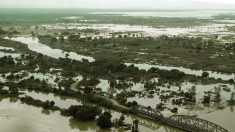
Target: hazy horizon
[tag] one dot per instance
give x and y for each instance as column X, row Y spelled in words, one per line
column 120, row 4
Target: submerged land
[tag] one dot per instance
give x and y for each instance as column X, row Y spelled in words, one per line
column 85, row 70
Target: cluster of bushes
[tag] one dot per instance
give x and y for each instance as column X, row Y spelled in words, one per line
column 89, row 82
column 131, row 104
column 46, row 105
column 174, row 110
column 104, row 120
column 2, row 32
column 47, row 38
column 122, row 98
column 42, row 86
column 150, row 85
column 6, row 61
column 99, row 68
column 34, row 84
column 123, row 85
column 173, row 74
column 189, row 96
column 205, row 74
column 10, row 64
column 10, row 32
column 206, row 99
column 71, row 68
column 83, row 112
column 190, row 42
column 197, row 43
column 101, row 101
column 12, row 76
column 13, row 91
column 230, row 46
column 74, row 37
column 124, row 40
column 66, row 83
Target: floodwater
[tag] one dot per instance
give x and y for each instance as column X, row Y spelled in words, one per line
column 7, row 48
column 200, row 90
column 213, row 112
column 13, row 55
column 180, row 13
column 186, row 70
column 223, row 117
column 60, row 101
column 35, row 45
column 42, row 121
column 220, row 28
column 49, row 78
column 204, row 111
column 18, row 117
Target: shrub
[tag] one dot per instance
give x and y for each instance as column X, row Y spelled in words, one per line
column 104, row 121
column 83, row 112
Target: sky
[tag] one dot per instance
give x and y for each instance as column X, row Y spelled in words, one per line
column 126, row 4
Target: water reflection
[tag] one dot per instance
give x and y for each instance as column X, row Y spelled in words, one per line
column 231, row 108
column 62, row 102
column 224, row 117
column 53, row 121
column 83, row 126
column 18, row 117
column 46, row 111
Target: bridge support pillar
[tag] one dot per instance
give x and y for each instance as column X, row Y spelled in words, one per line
column 135, row 127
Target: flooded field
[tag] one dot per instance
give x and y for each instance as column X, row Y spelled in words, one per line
column 197, row 14
column 213, row 29
column 14, row 112
column 98, row 72
column 18, row 117
column 188, row 71
column 34, row 45
column 63, row 102
column 2, row 54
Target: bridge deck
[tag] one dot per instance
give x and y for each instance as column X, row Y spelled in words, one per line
column 188, row 123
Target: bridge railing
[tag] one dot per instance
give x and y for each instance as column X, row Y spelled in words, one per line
column 194, row 123
column 189, row 123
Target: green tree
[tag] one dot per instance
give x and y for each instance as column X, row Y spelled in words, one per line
column 104, row 121
column 83, row 112
column 205, row 74
column 61, row 38
column 88, row 90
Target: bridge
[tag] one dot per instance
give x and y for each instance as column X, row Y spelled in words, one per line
column 146, row 122
column 187, row 123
